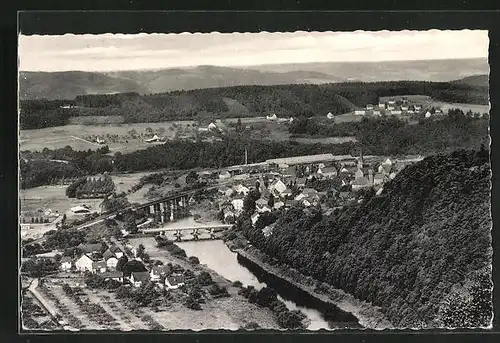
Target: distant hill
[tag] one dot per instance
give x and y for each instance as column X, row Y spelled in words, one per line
column 474, row 80
column 67, row 85
column 420, row 250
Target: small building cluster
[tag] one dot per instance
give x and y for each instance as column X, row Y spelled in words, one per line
column 104, row 264
column 397, row 106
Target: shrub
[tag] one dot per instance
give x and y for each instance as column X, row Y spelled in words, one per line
column 193, row 260
column 204, row 278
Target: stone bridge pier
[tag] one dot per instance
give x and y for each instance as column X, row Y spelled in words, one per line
column 169, row 210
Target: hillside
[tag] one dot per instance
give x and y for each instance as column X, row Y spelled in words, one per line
column 421, row 250
column 67, row 85
column 475, row 80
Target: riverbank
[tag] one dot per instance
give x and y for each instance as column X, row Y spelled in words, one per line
column 367, row 315
column 231, row 313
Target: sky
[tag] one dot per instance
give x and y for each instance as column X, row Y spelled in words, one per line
column 111, row 52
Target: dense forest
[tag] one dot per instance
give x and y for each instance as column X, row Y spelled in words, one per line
column 225, row 102
column 419, row 250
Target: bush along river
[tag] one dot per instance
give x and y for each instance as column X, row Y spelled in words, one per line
column 218, row 257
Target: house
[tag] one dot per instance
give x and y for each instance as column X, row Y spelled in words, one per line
column 90, row 248
column 404, row 108
column 300, row 197
column 395, row 112
column 376, row 113
column 290, row 120
column 155, row 138
column 428, row 114
column 359, row 183
column 378, row 178
column 139, row 278
column 66, row 263
column 310, row 192
column 116, row 251
column 240, row 189
column 254, row 218
column 226, row 191
column 174, row 281
column 237, row 204
column 272, row 117
column 100, row 141
column 114, row 275
column 306, row 202
column 99, row 267
column 381, row 105
column 278, row 205
column 359, row 112
column 418, row 108
column 369, row 107
column 157, row 272
column 84, row 263
column 261, row 202
column 224, row 175
column 212, row 126
column 328, row 171
column 264, row 209
column 80, row 210
column 330, row 115
column 111, row 262
column 277, row 186
column 291, row 203
column 344, row 195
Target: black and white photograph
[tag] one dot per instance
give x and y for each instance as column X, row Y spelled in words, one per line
column 279, row 181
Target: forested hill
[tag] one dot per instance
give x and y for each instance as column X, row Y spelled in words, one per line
column 241, row 101
column 421, row 250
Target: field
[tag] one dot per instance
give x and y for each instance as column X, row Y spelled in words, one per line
column 117, row 136
column 464, row 107
column 96, row 120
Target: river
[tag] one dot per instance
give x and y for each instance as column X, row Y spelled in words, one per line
column 217, row 256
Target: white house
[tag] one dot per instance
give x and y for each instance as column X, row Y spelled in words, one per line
column 100, row 141
column 418, row 108
column 84, row 263
column 360, row 183
column 224, row 175
column 174, row 281
column 137, row 279
column 330, row 115
column 396, row 112
column 278, row 186
column 261, row 202
column 155, row 138
column 300, row 197
column 359, row 173
column 381, row 105
column 404, row 108
column 272, row 117
column 212, row 126
column 428, row 114
column 111, row 262
column 377, row 113
column 306, row 202
column 278, row 205
column 263, row 209
column 327, row 171
column 291, row 120
column 66, row 263
column 369, row 107
column 240, row 189
column 237, row 204
column 359, row 112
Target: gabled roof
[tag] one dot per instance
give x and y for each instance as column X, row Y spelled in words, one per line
column 261, row 202
column 301, row 180
column 114, row 249
column 140, row 276
column 309, row 191
column 108, row 254
column 88, row 248
column 325, row 170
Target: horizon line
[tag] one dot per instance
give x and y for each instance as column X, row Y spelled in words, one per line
column 249, row 67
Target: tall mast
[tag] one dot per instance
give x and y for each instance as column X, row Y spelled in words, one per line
column 246, row 156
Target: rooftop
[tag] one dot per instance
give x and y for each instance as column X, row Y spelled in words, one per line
column 308, row 159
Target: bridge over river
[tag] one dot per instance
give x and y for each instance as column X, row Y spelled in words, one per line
column 194, row 231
